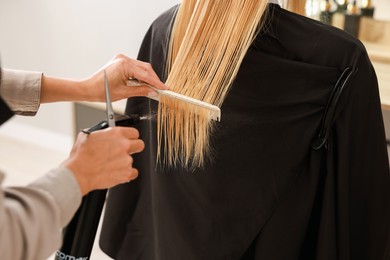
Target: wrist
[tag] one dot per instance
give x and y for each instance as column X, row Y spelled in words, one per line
column 87, row 88
column 58, row 89
column 82, row 182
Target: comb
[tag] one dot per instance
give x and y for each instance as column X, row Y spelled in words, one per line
column 214, row 111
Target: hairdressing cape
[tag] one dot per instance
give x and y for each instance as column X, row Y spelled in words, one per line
column 299, row 167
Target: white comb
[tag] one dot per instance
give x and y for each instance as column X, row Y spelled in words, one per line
column 215, row 112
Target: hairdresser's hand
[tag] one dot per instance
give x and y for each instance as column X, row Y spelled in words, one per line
column 103, row 159
column 118, row 70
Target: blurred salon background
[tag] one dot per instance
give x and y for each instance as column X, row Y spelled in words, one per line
column 73, row 38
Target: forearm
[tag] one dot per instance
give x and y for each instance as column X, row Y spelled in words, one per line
column 31, row 217
column 58, row 89
column 24, row 91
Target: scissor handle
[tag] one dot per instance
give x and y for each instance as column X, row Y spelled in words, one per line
column 126, row 120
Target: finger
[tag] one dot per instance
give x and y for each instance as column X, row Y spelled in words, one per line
column 127, row 132
column 120, row 131
column 144, row 72
column 133, row 175
column 140, row 91
column 135, row 146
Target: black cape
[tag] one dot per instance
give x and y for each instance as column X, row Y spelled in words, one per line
column 299, row 169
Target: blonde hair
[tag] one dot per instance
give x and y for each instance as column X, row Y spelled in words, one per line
column 209, row 40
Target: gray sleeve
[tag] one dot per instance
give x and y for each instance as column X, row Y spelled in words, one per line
column 21, row 90
column 31, row 217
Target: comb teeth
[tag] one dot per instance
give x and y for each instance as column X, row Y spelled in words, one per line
column 214, row 111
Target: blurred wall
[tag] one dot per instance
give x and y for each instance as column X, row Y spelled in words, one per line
column 71, row 38
column 382, row 11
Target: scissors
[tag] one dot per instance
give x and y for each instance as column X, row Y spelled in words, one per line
column 112, row 119
column 109, row 109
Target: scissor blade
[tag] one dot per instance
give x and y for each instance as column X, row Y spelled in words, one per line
column 109, row 109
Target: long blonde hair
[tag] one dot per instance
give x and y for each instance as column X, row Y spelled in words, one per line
column 209, row 40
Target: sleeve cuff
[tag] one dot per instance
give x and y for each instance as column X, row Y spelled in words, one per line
column 21, row 90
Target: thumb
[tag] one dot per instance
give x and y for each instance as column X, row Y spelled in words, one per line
column 141, row 91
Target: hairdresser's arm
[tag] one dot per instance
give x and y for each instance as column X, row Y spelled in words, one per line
column 118, row 71
column 24, row 90
column 31, row 217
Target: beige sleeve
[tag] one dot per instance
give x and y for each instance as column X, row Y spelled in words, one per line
column 21, row 90
column 31, row 217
